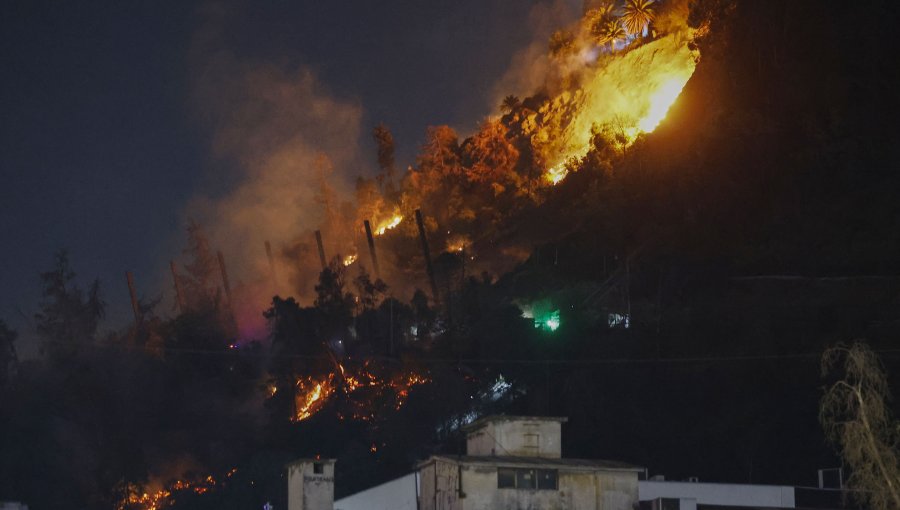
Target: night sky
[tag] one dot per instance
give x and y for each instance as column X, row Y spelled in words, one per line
column 103, row 145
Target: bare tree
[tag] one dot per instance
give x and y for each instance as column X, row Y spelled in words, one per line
column 855, row 416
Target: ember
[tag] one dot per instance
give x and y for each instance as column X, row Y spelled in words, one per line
column 136, row 497
column 313, row 393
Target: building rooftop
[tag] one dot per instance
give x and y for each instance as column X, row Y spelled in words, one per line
column 513, row 461
column 477, row 424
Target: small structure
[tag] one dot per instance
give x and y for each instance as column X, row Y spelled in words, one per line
column 515, row 462
column 311, row 484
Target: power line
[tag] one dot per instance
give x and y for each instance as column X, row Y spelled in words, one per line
column 237, row 353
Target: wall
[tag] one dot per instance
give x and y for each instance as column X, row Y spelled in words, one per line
column 308, row 490
column 399, row 494
column 525, row 438
column 439, row 487
column 761, row 496
column 581, row 490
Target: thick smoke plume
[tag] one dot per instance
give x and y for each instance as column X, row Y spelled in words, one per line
column 283, row 147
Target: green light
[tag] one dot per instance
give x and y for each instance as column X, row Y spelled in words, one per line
column 552, row 324
column 548, row 321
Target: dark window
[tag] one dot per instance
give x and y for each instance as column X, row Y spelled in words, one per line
column 525, row 479
column 547, row 479
column 318, row 468
column 506, row 478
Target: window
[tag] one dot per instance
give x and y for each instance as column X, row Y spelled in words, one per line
column 527, row 479
column 318, row 468
column 546, row 479
column 506, row 478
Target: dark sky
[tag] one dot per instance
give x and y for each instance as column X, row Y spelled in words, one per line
column 100, row 145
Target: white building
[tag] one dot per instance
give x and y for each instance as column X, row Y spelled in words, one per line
column 659, row 494
column 515, row 462
column 398, row 494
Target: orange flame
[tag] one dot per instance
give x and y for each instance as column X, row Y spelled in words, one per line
column 388, row 224
column 136, row 497
column 629, row 93
column 313, row 393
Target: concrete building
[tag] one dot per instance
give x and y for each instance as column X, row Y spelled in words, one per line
column 311, row 484
column 515, row 462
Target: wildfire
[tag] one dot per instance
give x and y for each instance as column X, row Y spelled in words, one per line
column 628, row 94
column 388, row 224
column 660, row 102
column 137, row 498
column 556, row 174
column 349, row 259
column 313, row 393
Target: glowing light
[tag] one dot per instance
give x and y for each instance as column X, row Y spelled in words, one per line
column 349, row 259
column 136, row 497
column 660, row 102
column 625, row 95
column 553, row 322
column 388, row 224
column 556, row 174
column 313, row 393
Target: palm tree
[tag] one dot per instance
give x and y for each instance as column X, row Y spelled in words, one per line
column 610, row 32
column 637, row 16
column 510, row 104
column 561, row 44
column 594, row 19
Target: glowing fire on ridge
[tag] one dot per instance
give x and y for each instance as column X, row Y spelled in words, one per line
column 660, row 102
column 137, row 498
column 630, row 94
column 349, row 259
column 313, row 393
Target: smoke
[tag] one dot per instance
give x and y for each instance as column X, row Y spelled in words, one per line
column 530, row 67
column 278, row 141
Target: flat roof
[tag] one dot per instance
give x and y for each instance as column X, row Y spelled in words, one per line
column 310, row 459
column 477, row 424
column 543, row 462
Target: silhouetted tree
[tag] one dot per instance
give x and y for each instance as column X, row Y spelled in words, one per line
column 69, row 317
column 385, row 142
column 855, row 415
column 201, row 289
column 510, row 104
column 561, row 44
column 490, row 156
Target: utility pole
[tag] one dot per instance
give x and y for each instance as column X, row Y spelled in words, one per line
column 371, row 241
column 179, row 296
column 225, row 278
column 427, row 254
column 272, row 272
column 135, row 307
column 321, row 250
